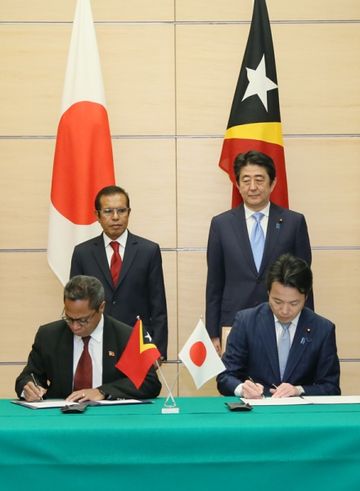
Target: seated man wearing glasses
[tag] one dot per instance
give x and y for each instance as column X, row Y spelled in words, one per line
column 75, row 357
column 128, row 266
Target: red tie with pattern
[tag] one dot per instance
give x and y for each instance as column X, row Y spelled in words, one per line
column 116, row 262
column 83, row 372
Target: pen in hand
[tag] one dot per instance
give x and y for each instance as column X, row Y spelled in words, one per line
column 251, row 380
column 36, row 384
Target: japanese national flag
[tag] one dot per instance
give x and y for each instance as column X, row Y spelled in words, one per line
column 200, row 357
column 83, row 161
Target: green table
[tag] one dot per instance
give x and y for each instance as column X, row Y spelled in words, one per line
column 205, row 447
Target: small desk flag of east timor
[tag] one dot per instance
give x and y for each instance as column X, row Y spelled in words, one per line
column 200, row 357
column 254, row 122
column 138, row 356
column 83, row 161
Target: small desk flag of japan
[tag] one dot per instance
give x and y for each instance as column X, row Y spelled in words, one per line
column 138, row 356
column 200, row 357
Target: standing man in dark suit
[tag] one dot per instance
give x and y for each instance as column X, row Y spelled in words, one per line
column 56, row 367
column 281, row 347
column 139, row 288
column 236, row 279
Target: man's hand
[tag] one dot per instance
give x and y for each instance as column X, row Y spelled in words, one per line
column 33, row 392
column 285, row 390
column 217, row 345
column 251, row 390
column 85, row 395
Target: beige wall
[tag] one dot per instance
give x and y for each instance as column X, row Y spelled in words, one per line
column 170, row 69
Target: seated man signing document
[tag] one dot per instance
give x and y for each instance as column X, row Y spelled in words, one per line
column 281, row 348
column 75, row 357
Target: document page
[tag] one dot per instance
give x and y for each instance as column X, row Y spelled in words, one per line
column 333, row 399
column 276, row 401
column 46, row 404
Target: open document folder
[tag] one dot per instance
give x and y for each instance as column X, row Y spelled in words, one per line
column 51, row 403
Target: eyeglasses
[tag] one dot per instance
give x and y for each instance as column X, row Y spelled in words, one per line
column 83, row 321
column 108, row 212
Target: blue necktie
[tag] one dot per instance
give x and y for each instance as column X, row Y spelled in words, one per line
column 284, row 347
column 257, row 239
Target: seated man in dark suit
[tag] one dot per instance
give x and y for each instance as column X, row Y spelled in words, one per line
column 136, row 287
column 281, row 347
column 55, row 362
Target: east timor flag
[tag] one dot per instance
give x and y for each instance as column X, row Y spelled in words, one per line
column 254, row 122
column 138, row 356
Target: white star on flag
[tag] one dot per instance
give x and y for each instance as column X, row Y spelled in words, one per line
column 200, row 357
column 259, row 84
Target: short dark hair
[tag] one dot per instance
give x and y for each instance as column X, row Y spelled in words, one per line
column 255, row 158
column 85, row 288
column 109, row 191
column 290, row 271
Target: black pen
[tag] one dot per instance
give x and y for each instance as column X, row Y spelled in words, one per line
column 251, row 380
column 36, row 384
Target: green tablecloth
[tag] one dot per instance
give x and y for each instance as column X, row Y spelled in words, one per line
column 204, row 447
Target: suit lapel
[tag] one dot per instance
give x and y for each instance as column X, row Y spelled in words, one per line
column 274, row 228
column 129, row 256
column 242, row 236
column 99, row 256
column 66, row 356
column 268, row 338
column 300, row 344
column 111, row 348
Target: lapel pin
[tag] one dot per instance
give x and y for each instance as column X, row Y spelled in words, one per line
column 111, row 353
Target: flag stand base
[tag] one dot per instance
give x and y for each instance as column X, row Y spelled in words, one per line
column 170, row 410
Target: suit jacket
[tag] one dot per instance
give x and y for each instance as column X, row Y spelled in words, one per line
column 140, row 290
column 51, row 360
column 233, row 282
column 251, row 352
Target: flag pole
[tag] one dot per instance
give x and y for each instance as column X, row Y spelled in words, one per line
column 168, row 408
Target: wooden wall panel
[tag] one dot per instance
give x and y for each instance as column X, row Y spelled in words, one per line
column 191, row 292
column 315, row 96
column 349, row 379
column 33, row 69
column 146, row 169
column 233, row 10
column 204, row 190
column 337, row 295
column 209, row 59
column 140, row 96
column 26, row 169
column 323, row 181
column 34, row 62
column 119, row 10
column 8, row 374
column 31, row 296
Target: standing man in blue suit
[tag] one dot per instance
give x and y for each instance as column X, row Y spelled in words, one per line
column 281, row 347
column 234, row 280
column 139, row 289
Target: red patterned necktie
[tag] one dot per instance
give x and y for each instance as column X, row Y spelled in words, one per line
column 116, row 262
column 83, row 372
